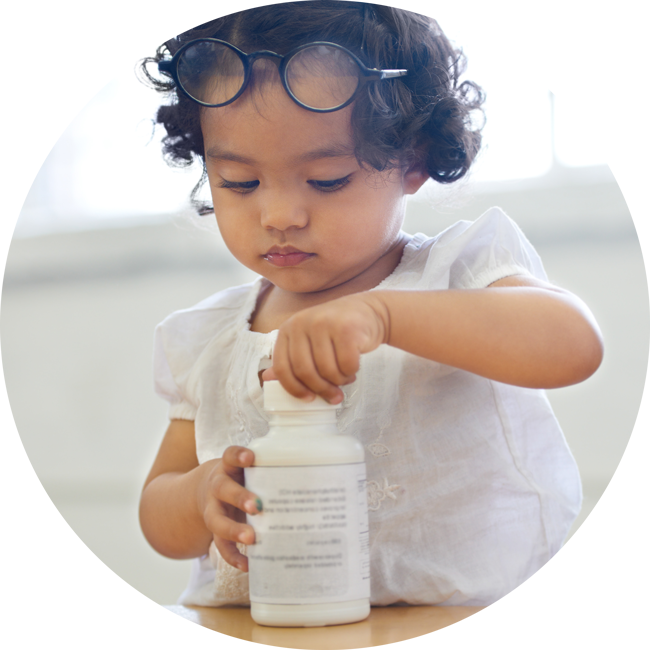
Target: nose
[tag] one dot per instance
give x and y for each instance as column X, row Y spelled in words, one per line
column 282, row 211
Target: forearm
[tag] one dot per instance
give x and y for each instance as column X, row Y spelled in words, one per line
column 522, row 335
column 170, row 516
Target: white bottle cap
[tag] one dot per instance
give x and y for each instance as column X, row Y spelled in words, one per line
column 276, row 398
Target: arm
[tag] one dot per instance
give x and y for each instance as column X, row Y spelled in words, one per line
column 519, row 330
column 184, row 505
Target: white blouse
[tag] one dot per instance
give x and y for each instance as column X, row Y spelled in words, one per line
column 471, row 486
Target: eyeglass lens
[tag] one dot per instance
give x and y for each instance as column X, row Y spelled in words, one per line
column 210, row 72
column 320, row 77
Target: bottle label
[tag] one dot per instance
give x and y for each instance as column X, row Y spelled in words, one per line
column 311, row 540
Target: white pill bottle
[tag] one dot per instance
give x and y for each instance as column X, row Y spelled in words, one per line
column 310, row 563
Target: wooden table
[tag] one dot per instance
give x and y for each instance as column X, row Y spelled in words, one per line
column 391, row 628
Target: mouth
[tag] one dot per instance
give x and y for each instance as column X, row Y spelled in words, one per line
column 286, row 256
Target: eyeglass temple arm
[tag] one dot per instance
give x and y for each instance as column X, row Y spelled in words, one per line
column 390, row 74
column 373, row 74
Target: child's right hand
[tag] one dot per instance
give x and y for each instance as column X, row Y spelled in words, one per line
column 224, row 502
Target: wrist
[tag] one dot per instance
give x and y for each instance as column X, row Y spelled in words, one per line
column 377, row 303
column 201, row 485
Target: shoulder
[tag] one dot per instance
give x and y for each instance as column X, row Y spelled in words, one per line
column 491, row 224
column 185, row 337
column 473, row 254
column 219, row 304
column 217, row 313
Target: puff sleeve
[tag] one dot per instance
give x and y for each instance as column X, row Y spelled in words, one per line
column 165, row 384
column 489, row 249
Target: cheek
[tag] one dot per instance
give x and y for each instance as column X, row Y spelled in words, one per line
column 235, row 234
column 376, row 213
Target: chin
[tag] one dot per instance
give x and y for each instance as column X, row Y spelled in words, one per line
column 297, row 287
column 295, row 284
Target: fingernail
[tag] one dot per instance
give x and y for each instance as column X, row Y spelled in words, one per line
column 242, row 456
column 253, row 507
column 242, row 537
column 337, row 399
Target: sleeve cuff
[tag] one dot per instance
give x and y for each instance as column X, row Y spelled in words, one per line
column 182, row 411
column 487, row 277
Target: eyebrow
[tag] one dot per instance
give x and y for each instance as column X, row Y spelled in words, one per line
column 333, row 151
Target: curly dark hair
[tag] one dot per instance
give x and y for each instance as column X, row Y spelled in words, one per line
column 423, row 118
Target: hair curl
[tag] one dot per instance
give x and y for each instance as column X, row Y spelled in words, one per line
column 423, row 118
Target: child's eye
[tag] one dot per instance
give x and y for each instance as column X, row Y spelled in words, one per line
column 330, row 186
column 243, row 188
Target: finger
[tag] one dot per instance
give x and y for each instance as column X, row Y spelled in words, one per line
column 230, row 553
column 230, row 530
column 326, row 359
column 220, row 524
column 303, row 363
column 229, row 491
column 233, row 462
column 348, row 358
column 283, row 369
column 268, row 375
column 237, row 457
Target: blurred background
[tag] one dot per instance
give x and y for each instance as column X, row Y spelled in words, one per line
column 106, row 246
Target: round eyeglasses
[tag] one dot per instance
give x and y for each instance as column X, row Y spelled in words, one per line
column 319, row 76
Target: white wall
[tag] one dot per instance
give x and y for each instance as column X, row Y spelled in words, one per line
column 81, row 424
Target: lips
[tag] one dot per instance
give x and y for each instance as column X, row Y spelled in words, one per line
column 286, row 256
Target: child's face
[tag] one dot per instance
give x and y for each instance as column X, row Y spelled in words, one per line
column 290, row 199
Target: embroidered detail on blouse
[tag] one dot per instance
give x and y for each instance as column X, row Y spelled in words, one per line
column 376, row 493
column 377, row 449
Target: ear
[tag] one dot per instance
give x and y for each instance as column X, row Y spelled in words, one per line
column 414, row 178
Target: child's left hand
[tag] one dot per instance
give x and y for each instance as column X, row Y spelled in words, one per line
column 319, row 349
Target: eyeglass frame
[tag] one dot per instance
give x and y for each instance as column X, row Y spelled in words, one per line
column 366, row 74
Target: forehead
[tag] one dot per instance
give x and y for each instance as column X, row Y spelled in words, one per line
column 264, row 120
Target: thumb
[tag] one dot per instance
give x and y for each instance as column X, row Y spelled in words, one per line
column 269, row 375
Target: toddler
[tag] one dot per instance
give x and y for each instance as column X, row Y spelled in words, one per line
column 314, row 121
